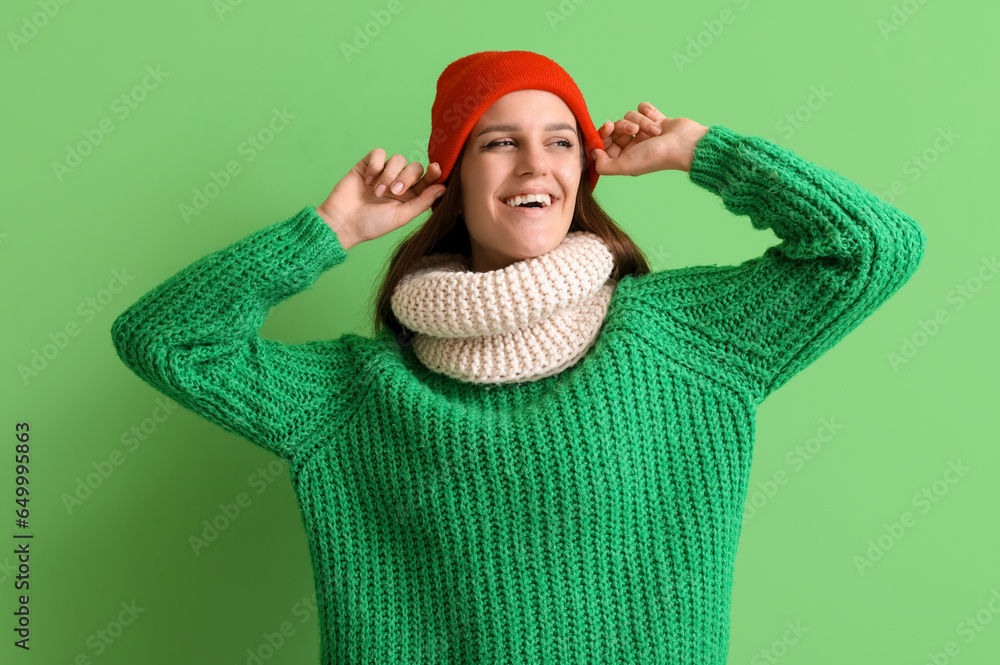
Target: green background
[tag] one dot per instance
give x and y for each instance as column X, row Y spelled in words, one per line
column 888, row 94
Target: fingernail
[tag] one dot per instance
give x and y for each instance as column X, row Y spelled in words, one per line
column 368, row 180
column 397, row 187
column 379, row 190
column 439, row 194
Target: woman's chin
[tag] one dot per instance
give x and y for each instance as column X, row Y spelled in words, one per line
column 521, row 239
column 529, row 243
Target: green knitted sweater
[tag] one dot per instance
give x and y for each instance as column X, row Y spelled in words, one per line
column 591, row 516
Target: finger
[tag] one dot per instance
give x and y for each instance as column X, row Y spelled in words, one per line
column 644, row 123
column 392, row 168
column 432, row 173
column 603, row 164
column 374, row 161
column 622, row 134
column 406, row 178
column 407, row 210
column 651, row 111
column 605, row 133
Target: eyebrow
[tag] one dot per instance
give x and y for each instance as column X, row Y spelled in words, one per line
column 553, row 127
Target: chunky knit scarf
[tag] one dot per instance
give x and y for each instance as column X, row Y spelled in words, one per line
column 532, row 319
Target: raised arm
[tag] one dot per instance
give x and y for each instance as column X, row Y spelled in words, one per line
column 195, row 336
column 843, row 253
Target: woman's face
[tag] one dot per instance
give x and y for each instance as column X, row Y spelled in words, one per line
column 526, row 141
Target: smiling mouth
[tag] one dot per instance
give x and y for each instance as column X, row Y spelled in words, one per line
column 534, row 209
column 531, row 205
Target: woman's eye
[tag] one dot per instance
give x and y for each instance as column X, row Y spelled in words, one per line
column 498, row 142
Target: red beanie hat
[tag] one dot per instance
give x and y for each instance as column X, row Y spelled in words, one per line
column 470, row 85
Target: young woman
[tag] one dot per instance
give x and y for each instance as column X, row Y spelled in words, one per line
column 542, row 453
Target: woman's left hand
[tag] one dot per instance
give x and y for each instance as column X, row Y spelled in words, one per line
column 645, row 141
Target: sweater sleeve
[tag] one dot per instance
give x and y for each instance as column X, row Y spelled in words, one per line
column 843, row 253
column 195, row 336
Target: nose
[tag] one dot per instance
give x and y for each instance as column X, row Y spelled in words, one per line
column 532, row 159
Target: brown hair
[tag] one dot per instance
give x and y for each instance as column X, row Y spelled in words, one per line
column 445, row 232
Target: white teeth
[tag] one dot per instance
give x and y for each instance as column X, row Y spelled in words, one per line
column 544, row 199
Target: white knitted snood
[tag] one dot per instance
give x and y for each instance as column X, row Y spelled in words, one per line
column 530, row 320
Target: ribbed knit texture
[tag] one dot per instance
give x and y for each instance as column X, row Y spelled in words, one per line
column 591, row 516
column 529, row 320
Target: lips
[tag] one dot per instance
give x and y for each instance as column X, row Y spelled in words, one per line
column 552, row 198
column 527, row 211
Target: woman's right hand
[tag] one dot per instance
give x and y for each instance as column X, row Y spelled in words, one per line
column 357, row 213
